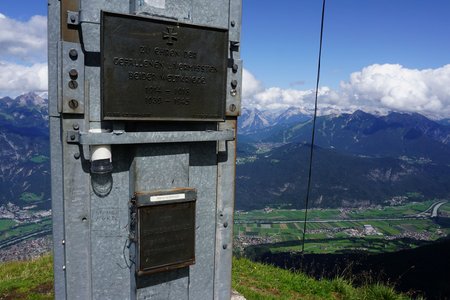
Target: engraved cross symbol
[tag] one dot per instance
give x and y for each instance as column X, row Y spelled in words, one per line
column 170, row 35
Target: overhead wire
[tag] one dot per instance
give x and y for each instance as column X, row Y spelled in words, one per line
column 313, row 135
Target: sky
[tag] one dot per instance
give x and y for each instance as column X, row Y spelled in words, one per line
column 378, row 55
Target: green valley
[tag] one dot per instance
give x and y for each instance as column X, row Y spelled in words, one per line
column 373, row 229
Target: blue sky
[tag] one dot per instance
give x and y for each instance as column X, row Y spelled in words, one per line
column 378, row 55
column 358, row 33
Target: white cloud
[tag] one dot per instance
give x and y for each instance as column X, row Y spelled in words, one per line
column 250, row 85
column 24, row 42
column 376, row 88
column 18, row 79
column 395, row 87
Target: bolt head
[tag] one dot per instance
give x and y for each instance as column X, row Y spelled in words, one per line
column 235, row 68
column 233, row 23
column 232, row 108
column 73, row 54
column 234, row 83
column 73, row 73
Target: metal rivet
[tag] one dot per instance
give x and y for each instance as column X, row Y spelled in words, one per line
column 63, row 242
column 73, row 84
column 84, row 219
column 64, row 268
column 72, row 137
column 233, row 92
column 73, row 74
column 225, row 246
column 73, row 104
column 225, row 224
column 233, row 23
column 76, row 155
column 234, row 83
column 232, row 107
column 235, row 68
column 73, row 54
column 72, row 18
column 75, row 126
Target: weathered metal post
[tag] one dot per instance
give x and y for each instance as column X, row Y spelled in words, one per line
column 143, row 98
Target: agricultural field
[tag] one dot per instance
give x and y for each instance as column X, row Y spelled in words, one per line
column 9, row 229
column 374, row 229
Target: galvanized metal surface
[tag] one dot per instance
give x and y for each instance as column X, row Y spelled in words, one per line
column 122, row 137
column 72, row 78
column 110, row 230
column 202, row 175
column 234, row 93
column 226, row 171
column 180, row 10
column 56, row 150
column 93, row 252
column 155, row 167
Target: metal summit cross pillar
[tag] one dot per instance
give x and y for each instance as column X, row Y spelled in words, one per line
column 143, row 102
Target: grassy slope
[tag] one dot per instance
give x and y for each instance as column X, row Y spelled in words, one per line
column 33, row 280
column 27, row 279
column 258, row 281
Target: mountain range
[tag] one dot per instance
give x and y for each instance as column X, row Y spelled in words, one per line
column 359, row 159
column 24, row 151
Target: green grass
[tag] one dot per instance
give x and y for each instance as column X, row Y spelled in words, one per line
column 34, row 280
column 27, row 279
column 333, row 214
column 31, row 197
column 263, row 282
column 6, row 224
column 16, row 231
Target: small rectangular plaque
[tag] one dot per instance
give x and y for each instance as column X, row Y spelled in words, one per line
column 166, row 230
column 161, row 70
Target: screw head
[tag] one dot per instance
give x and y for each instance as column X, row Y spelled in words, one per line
column 235, row 68
column 73, row 54
column 73, row 104
column 73, row 73
column 73, row 84
column 234, row 83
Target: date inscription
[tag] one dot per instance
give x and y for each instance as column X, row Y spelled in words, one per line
column 162, row 70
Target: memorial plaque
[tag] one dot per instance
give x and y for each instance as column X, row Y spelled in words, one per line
column 161, row 70
column 166, row 230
